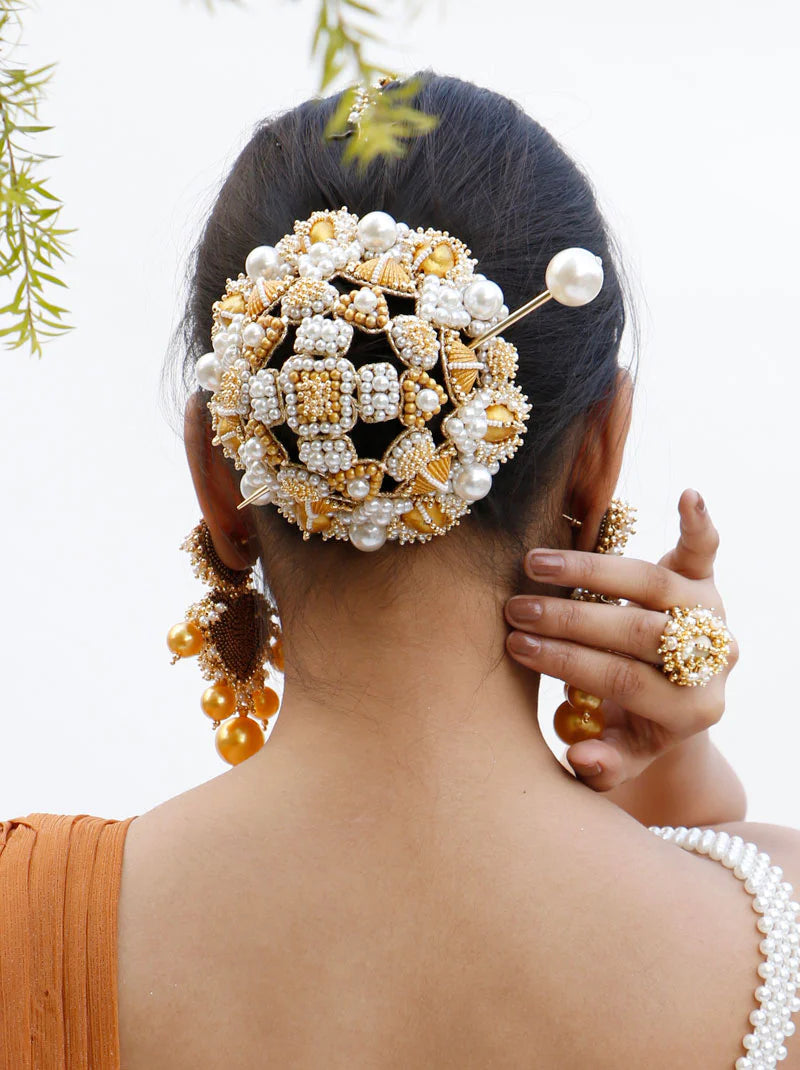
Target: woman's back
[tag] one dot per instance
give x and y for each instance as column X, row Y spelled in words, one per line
column 506, row 928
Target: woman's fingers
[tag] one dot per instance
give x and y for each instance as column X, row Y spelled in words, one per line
column 638, row 688
column 694, row 555
column 653, row 586
column 636, row 632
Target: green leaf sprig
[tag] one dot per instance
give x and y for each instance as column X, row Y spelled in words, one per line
column 31, row 241
column 345, row 32
column 345, row 29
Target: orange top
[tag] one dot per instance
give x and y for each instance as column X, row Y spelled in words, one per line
column 59, row 887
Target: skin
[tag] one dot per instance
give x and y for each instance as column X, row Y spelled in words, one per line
column 386, row 884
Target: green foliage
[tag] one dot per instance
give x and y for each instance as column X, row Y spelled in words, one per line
column 345, row 33
column 345, row 29
column 31, row 241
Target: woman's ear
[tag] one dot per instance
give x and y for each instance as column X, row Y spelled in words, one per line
column 217, row 488
column 598, row 463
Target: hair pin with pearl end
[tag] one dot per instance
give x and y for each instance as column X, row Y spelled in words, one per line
column 574, row 277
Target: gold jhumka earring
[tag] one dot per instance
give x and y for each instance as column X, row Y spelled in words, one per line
column 235, row 634
column 581, row 715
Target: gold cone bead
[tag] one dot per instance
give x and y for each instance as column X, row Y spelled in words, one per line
column 581, row 700
column 322, row 230
column 265, row 702
column 237, row 739
column 185, row 639
column 440, row 260
column 504, row 414
column 571, row 725
column 218, row 701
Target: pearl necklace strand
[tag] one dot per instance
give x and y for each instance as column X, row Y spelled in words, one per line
column 780, row 972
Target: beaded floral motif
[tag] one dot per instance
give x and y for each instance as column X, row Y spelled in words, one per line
column 780, row 946
column 421, row 486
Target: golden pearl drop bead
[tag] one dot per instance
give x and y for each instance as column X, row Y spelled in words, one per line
column 218, row 701
column 581, row 700
column 237, row 739
column 572, row 725
column 265, row 702
column 185, row 639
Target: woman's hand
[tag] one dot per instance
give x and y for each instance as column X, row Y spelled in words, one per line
column 612, row 651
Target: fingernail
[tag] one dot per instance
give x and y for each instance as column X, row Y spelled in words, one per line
column 521, row 643
column 542, row 563
column 589, row 769
column 524, row 609
column 700, row 505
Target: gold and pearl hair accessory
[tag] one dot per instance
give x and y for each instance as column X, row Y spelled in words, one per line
column 286, row 422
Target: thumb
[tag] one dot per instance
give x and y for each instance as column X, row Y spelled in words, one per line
column 696, row 550
column 625, row 750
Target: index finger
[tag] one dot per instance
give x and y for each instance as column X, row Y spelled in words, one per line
column 697, row 546
column 651, row 586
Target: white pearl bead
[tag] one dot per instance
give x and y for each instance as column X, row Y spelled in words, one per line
column 222, row 339
column 366, row 536
column 377, row 231
column 472, row 482
column 251, row 451
column 263, row 262
column 483, row 299
column 358, row 488
column 574, row 277
column 319, row 253
column 427, row 400
column 365, row 301
column 248, row 485
column 207, row 371
column 253, row 334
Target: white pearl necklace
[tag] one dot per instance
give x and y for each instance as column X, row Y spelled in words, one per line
column 780, row 971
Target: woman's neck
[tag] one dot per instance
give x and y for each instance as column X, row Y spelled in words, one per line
column 414, row 687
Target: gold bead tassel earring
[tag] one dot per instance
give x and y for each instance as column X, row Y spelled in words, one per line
column 234, row 633
column 581, row 715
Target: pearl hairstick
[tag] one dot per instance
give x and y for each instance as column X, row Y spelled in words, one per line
column 574, row 277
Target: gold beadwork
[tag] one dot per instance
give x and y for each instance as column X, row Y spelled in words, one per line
column 694, row 645
column 386, row 272
column 478, row 413
column 373, row 322
column 616, row 527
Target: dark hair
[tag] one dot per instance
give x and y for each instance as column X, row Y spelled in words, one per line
column 488, row 174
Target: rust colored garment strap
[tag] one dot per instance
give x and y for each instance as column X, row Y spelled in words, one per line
column 59, row 887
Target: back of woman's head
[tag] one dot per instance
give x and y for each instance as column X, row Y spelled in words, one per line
column 496, row 179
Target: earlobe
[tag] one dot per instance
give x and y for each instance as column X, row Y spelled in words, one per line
column 599, row 461
column 217, row 488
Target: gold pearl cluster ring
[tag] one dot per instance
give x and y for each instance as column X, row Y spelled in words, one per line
column 695, row 645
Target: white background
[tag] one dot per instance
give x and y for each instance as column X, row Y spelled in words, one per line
column 685, row 117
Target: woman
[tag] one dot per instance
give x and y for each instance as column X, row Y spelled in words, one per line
column 404, row 876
